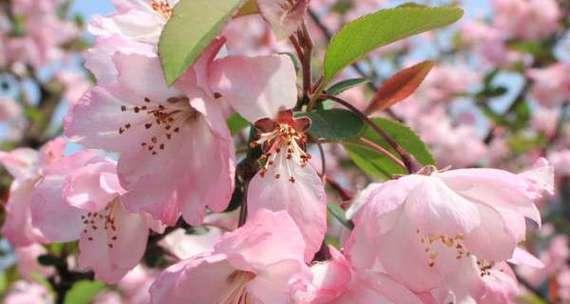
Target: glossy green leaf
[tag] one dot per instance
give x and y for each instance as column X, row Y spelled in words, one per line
column 334, row 124
column 379, row 166
column 191, row 28
column 345, row 85
column 363, row 35
column 83, row 292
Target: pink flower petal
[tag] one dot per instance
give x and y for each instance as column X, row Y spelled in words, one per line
column 256, row 87
column 304, row 199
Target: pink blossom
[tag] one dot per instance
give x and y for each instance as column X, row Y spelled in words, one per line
column 561, row 162
column 489, row 42
column 137, row 20
column 132, row 289
column 41, row 44
column 257, row 263
column 337, row 281
column 551, row 85
column 99, row 58
column 563, row 280
column 545, row 120
column 78, row 199
column 446, row 82
column 285, row 16
column 76, row 84
column 262, row 89
column 430, row 232
column 512, row 17
column 23, row 292
column 554, row 258
column 253, row 36
column 12, row 115
column 35, row 8
column 28, row 265
column 26, row 166
column 184, row 245
column 176, row 153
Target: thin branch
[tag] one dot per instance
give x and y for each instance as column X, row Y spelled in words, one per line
column 323, row 160
column 344, row 194
column 409, row 161
column 243, row 208
column 381, row 150
column 307, row 44
column 519, row 99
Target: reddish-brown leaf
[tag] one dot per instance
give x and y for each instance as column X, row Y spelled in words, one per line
column 400, row 86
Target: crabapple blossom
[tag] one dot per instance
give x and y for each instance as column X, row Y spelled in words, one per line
column 176, row 153
column 551, row 85
column 26, row 166
column 12, row 116
column 451, row 224
column 285, row 16
column 263, row 90
column 512, row 16
column 132, row 289
column 28, row 264
column 257, row 263
column 23, row 292
column 561, row 162
column 136, row 20
column 78, row 199
column 337, row 281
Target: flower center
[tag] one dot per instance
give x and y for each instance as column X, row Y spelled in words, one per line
column 452, row 243
column 163, row 121
column 237, row 292
column 456, row 243
column 103, row 220
column 283, row 143
column 162, row 7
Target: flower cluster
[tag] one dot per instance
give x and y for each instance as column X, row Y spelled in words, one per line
column 153, row 189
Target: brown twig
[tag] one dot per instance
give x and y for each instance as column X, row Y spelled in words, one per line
column 409, row 162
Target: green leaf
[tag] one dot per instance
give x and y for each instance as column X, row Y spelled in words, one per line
column 334, row 124
column 379, row 166
column 237, row 123
column 345, row 85
column 83, row 292
column 191, row 28
column 359, row 37
column 340, row 215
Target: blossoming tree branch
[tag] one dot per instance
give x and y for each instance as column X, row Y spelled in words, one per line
column 285, row 151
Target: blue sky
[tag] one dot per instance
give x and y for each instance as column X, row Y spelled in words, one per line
column 90, row 7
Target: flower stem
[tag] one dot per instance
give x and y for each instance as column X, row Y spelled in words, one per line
column 408, row 160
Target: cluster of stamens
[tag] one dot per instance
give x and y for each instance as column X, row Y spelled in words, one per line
column 104, row 220
column 162, row 7
column 159, row 117
column 485, row 267
column 283, row 139
column 237, row 292
column 455, row 243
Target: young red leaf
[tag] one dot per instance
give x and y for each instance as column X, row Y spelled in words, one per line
column 400, row 86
